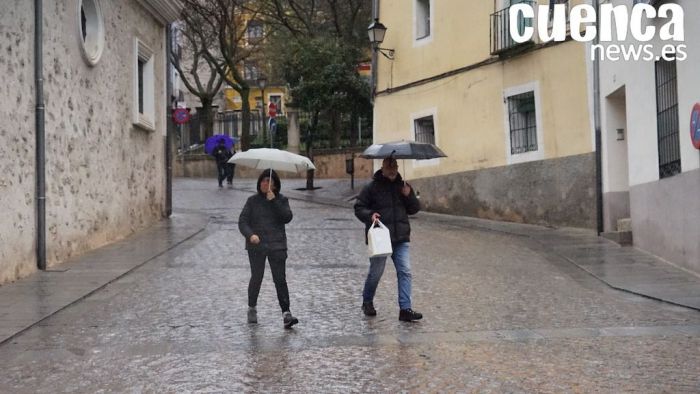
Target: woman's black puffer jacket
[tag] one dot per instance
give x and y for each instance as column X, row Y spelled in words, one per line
column 266, row 218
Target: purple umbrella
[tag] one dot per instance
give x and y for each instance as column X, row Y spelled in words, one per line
column 215, row 139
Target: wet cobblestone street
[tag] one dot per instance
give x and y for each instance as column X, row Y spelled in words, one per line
column 502, row 314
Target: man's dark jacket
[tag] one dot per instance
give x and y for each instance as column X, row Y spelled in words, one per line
column 384, row 196
column 266, row 218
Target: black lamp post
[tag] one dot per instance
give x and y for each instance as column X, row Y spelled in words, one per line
column 262, row 82
column 376, row 32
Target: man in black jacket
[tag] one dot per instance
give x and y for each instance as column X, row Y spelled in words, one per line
column 221, row 155
column 262, row 222
column 389, row 199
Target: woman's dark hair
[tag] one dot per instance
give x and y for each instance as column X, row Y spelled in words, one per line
column 275, row 180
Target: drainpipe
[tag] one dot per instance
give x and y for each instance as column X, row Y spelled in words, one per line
column 598, row 138
column 40, row 140
column 373, row 75
column 169, row 122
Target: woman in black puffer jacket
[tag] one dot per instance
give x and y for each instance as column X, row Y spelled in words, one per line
column 262, row 224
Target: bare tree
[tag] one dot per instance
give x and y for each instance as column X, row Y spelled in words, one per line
column 197, row 70
column 226, row 22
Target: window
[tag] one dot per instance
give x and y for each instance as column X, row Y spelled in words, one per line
column 552, row 3
column 91, row 30
column 522, row 120
column 254, row 31
column 144, row 87
column 422, row 25
column 277, row 99
column 250, row 71
column 424, row 129
column 667, row 119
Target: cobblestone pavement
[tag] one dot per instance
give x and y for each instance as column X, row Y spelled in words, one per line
column 501, row 315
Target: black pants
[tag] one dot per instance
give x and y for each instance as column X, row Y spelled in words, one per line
column 221, row 171
column 277, row 259
column 230, row 169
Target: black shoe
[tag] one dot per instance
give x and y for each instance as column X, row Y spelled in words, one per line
column 409, row 315
column 252, row 315
column 368, row 309
column 289, row 320
column 220, row 185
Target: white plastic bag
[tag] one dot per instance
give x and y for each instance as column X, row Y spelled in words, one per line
column 379, row 240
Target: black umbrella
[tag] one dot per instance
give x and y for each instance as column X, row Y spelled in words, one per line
column 403, row 150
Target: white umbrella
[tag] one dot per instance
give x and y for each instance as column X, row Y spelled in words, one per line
column 279, row 160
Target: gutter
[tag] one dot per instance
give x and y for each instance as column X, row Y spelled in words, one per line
column 40, row 137
column 597, row 125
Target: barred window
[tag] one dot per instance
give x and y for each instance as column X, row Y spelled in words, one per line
column 250, row 71
column 667, row 119
column 425, row 129
column 552, row 3
column 523, row 123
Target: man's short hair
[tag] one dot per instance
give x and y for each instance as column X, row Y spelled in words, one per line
column 390, row 162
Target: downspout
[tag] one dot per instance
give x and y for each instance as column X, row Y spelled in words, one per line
column 169, row 122
column 597, row 122
column 373, row 74
column 40, row 137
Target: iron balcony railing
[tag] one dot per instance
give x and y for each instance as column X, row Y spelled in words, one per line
column 501, row 38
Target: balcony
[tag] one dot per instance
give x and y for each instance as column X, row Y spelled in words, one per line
column 501, row 41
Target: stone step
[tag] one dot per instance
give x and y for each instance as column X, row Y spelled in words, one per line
column 624, row 225
column 620, row 237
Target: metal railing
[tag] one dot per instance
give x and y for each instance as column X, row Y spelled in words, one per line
column 501, row 37
column 353, row 131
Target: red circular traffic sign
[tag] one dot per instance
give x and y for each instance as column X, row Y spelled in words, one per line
column 181, row 115
column 272, row 110
column 695, row 126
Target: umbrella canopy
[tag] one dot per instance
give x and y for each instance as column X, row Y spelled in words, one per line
column 403, row 150
column 214, row 140
column 279, row 160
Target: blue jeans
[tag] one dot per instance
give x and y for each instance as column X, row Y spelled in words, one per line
column 402, row 262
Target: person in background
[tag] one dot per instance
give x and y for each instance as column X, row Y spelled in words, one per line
column 221, row 155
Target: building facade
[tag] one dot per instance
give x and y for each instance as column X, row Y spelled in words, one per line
column 104, row 84
column 651, row 170
column 515, row 120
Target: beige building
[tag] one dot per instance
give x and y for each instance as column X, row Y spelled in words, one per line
column 104, row 92
column 514, row 119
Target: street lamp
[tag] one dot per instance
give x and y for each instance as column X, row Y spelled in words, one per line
column 376, row 32
column 262, row 82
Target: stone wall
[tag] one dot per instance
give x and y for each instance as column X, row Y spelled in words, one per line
column 556, row 192
column 330, row 164
column 17, row 189
column 104, row 178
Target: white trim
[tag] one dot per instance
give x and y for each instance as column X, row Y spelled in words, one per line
column 165, row 11
column 418, row 42
column 94, row 43
column 422, row 114
column 527, row 156
column 145, row 120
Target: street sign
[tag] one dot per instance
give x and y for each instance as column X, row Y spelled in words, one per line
column 272, row 110
column 272, row 125
column 695, row 126
column 181, row 115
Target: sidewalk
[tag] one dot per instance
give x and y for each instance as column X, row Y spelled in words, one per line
column 33, row 299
